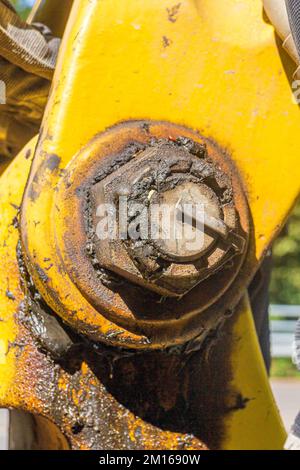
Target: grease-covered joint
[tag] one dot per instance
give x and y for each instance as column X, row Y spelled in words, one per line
column 126, row 291
column 45, row 327
column 174, row 221
column 47, row 330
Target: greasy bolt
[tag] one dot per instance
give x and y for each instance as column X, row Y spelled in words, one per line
column 202, row 232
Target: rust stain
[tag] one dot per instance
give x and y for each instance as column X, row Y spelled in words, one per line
column 49, row 164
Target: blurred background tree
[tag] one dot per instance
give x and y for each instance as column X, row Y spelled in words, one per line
column 285, row 284
column 22, row 6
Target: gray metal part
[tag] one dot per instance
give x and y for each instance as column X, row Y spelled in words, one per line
column 293, row 9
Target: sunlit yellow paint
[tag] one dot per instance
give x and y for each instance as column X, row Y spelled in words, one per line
column 11, row 190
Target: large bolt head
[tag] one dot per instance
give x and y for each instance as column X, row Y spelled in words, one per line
column 156, row 209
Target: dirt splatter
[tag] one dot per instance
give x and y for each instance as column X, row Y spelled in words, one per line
column 173, row 13
column 166, row 41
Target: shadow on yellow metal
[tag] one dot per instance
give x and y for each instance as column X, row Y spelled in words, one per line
column 210, row 65
column 53, row 13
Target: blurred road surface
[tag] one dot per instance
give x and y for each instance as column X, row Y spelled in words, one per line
column 3, row 429
column 287, row 395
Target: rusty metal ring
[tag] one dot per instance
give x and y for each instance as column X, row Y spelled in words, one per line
column 148, row 324
column 124, row 315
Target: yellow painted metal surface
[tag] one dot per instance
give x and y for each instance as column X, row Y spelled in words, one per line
column 211, row 65
column 257, row 426
column 11, row 191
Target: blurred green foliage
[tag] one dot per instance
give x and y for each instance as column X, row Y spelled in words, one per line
column 283, row 367
column 285, row 283
column 22, row 6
